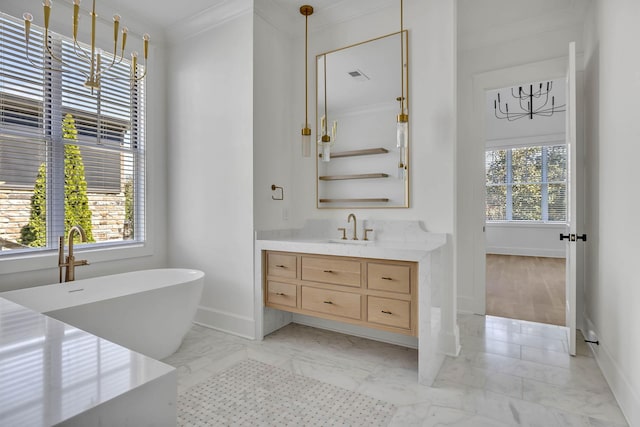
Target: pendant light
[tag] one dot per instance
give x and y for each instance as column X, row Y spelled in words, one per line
column 93, row 59
column 306, row 10
column 403, row 117
column 326, row 140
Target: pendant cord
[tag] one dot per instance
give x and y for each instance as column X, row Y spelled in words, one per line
column 403, row 100
column 326, row 118
column 306, row 73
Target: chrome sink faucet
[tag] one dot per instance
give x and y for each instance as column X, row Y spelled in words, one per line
column 355, row 228
column 69, row 262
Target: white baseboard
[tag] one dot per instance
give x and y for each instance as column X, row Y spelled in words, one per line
column 469, row 305
column 359, row 331
column 624, row 393
column 549, row 253
column 449, row 343
column 225, row 322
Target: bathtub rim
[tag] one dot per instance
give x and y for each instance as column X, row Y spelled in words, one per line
column 58, row 296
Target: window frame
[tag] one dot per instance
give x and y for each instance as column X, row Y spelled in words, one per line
column 508, row 184
column 30, row 259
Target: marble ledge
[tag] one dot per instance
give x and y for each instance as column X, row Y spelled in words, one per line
column 52, row 373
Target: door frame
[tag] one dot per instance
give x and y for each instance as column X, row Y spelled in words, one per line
column 474, row 218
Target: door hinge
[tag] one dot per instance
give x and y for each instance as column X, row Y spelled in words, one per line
column 573, row 237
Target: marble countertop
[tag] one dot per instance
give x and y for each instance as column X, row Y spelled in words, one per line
column 399, row 240
column 407, row 251
column 51, row 371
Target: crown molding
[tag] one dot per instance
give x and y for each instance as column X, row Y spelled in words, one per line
column 221, row 12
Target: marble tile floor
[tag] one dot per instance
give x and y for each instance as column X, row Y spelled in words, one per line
column 509, row 373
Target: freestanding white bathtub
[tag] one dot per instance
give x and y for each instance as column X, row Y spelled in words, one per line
column 147, row 311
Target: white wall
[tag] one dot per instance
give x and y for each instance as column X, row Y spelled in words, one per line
column 432, row 119
column 431, row 111
column 368, row 128
column 613, row 130
column 210, row 152
column 499, row 131
column 431, row 25
column 42, row 269
column 276, row 126
column 491, row 58
column 525, row 239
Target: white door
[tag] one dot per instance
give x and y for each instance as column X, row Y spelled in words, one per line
column 570, row 236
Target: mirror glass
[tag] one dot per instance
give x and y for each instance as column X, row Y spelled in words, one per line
column 356, row 116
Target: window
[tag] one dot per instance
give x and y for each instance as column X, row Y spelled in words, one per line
column 67, row 156
column 526, row 184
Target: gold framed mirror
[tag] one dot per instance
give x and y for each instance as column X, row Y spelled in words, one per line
column 358, row 92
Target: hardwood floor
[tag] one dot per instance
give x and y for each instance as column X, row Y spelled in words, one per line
column 526, row 288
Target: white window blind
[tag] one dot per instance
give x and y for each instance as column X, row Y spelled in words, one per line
column 67, row 156
column 526, row 184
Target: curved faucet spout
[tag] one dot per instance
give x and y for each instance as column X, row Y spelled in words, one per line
column 72, row 231
column 69, row 262
column 355, row 228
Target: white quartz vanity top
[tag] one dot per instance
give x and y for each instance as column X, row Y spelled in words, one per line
column 399, row 240
column 51, row 371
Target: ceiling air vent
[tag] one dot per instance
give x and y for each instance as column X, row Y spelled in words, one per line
column 359, row 75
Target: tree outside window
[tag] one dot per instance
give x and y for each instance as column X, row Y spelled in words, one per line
column 76, row 201
column 526, row 184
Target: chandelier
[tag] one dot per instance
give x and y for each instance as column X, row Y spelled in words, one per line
column 93, row 57
column 531, row 103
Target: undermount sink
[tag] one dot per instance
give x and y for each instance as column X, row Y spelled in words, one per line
column 351, row 242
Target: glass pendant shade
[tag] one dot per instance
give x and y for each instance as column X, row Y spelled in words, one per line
column 402, row 164
column 402, row 134
column 306, row 141
column 326, row 151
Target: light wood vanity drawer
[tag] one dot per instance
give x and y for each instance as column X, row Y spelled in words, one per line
column 282, row 265
column 344, row 304
column 390, row 278
column 282, row 293
column 331, row 270
column 390, row 312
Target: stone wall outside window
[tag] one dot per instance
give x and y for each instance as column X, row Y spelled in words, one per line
column 107, row 219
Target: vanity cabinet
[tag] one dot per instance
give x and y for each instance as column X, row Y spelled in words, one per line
column 376, row 293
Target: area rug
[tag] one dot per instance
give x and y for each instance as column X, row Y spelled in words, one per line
column 253, row 393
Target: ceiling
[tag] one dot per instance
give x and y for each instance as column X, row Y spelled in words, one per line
column 167, row 14
column 474, row 16
column 485, row 22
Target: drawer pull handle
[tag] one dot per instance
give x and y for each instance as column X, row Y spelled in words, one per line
column 280, row 294
column 327, row 302
column 387, row 278
column 281, row 266
column 386, row 312
column 328, row 271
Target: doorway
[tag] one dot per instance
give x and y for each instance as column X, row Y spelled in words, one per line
column 526, row 288
column 526, row 201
